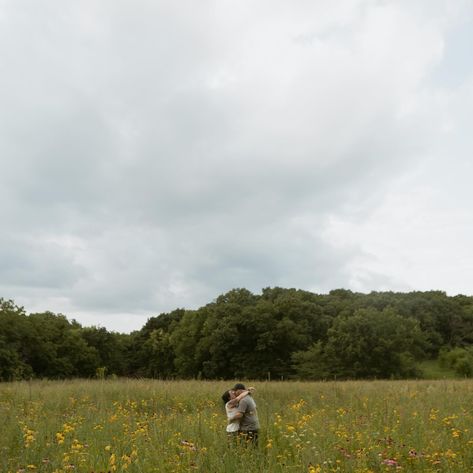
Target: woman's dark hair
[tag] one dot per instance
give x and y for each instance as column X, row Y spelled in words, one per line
column 226, row 397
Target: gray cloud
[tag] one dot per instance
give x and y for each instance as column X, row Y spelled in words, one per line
column 157, row 154
column 28, row 262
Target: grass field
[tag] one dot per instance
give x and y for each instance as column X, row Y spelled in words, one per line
column 432, row 369
column 156, row 426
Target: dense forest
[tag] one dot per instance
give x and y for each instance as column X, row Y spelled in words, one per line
column 281, row 333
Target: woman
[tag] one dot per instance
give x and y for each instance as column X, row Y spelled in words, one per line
column 231, row 401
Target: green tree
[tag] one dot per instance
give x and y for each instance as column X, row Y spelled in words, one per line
column 459, row 359
column 109, row 348
column 185, row 339
column 312, row 363
column 15, row 338
column 369, row 344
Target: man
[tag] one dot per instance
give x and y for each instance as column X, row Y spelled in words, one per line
column 247, row 415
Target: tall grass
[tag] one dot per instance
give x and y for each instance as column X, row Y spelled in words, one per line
column 158, row 426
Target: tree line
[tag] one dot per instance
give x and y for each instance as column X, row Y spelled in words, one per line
column 278, row 334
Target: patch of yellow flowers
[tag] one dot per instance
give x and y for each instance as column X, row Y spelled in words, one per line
column 160, row 427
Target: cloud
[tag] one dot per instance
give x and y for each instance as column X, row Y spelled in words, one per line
column 157, row 154
column 36, row 264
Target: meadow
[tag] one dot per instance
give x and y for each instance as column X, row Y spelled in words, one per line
column 179, row 426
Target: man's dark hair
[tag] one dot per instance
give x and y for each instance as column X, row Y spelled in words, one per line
column 226, row 396
column 239, row 386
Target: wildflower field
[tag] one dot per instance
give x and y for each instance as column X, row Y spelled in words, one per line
column 179, row 426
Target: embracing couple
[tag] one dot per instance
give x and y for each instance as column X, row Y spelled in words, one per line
column 242, row 417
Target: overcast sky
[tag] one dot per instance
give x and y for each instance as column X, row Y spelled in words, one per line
column 156, row 154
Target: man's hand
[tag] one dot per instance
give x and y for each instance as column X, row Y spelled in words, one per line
column 237, row 416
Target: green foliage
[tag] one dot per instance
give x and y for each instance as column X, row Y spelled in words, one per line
column 45, row 345
column 150, row 351
column 281, row 333
column 312, row 363
column 459, row 359
column 15, row 338
column 368, row 344
column 108, row 348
